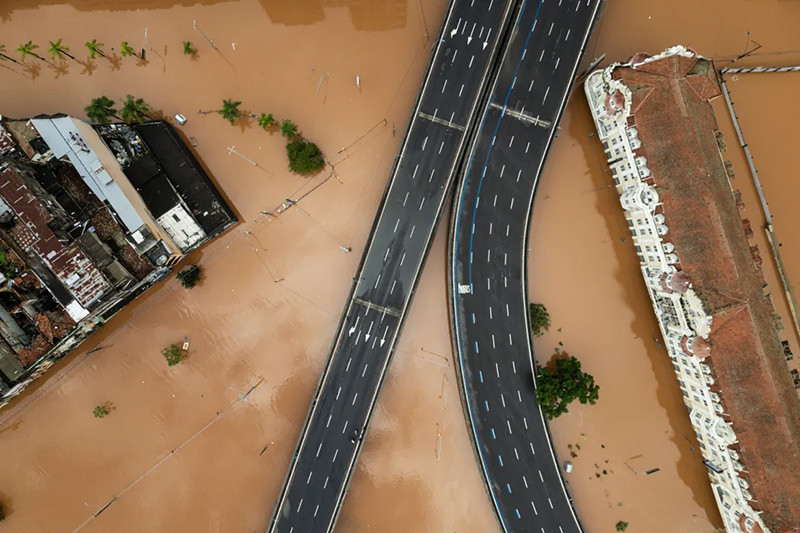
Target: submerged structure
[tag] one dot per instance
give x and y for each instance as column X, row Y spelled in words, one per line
column 705, row 281
column 90, row 217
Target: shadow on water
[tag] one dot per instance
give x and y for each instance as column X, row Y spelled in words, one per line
column 5, row 505
column 365, row 15
column 644, row 326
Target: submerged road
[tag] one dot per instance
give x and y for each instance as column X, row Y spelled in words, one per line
column 487, row 269
column 445, row 114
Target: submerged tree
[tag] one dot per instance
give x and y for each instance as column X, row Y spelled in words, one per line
column 94, row 48
column 304, row 157
column 188, row 49
column 58, row 50
column 3, row 54
column 266, row 120
column 189, row 276
column 101, row 110
column 288, row 129
column 230, row 110
column 556, row 390
column 127, row 50
column 540, row 319
column 134, row 110
column 101, row 411
column 173, row 354
column 27, row 49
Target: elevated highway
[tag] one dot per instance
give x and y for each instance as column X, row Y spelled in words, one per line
column 444, row 116
column 487, row 265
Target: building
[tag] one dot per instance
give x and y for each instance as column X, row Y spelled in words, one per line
column 705, row 281
column 90, row 217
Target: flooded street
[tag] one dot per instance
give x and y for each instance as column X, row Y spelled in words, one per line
column 204, row 446
column 584, row 269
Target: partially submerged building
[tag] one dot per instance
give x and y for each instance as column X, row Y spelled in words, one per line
column 705, row 281
column 90, row 217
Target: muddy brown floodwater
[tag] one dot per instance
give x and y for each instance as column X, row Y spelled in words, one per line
column 183, row 448
column 186, row 448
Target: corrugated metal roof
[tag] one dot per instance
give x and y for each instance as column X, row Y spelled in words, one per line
column 63, row 138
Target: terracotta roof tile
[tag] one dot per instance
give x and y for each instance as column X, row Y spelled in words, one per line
column 676, row 124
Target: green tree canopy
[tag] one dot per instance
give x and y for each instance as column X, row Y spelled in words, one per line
column 101, row 410
column 540, row 319
column 3, row 54
column 134, row 110
column 230, row 110
column 101, row 110
column 58, row 50
column 288, row 129
column 622, row 526
column 173, row 354
column 188, row 49
column 189, row 276
column 556, row 390
column 304, row 157
column 94, row 48
column 127, row 50
column 27, row 49
column 266, row 120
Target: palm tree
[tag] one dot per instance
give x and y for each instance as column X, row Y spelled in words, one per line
column 127, row 50
column 28, row 49
column 94, row 48
column 288, row 129
column 100, row 110
column 266, row 120
column 4, row 56
column 230, row 110
column 188, row 49
column 58, row 50
column 134, row 110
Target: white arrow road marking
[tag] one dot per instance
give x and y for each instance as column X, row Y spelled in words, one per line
column 366, row 337
column 486, row 42
column 353, row 329
column 454, row 31
column 469, row 39
column 384, row 335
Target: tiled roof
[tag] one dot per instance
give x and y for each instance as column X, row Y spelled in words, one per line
column 72, row 267
column 676, row 125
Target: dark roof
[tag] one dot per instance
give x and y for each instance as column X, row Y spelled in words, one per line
column 158, row 195
column 187, row 176
column 141, row 170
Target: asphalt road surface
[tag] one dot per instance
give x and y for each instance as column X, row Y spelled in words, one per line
column 447, row 111
column 487, row 265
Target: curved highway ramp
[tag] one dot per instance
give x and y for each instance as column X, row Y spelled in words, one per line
column 453, row 91
column 487, row 274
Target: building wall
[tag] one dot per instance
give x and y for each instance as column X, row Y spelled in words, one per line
column 683, row 322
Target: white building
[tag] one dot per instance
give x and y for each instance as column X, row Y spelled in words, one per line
column 684, row 324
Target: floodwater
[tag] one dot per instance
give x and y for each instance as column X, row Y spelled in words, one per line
column 187, row 448
column 584, row 269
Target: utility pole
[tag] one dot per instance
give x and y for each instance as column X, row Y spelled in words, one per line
column 342, row 247
column 196, row 27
